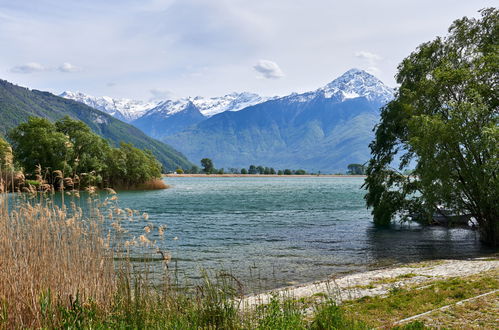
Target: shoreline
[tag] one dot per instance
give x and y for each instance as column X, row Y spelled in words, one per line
column 261, row 176
column 377, row 282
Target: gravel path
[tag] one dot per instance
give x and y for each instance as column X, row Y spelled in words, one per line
column 378, row 282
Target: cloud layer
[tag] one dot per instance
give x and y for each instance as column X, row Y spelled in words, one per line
column 268, row 69
column 212, row 47
column 33, row 67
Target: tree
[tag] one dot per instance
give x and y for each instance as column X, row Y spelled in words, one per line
column 37, row 142
column 244, row 171
column 252, row 169
column 207, row 164
column 287, row 172
column 445, row 119
column 356, row 169
column 88, row 150
column 300, row 172
column 280, row 172
column 194, row 170
column 260, row 169
column 272, row 171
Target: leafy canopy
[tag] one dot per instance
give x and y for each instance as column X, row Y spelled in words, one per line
column 71, row 147
column 445, row 120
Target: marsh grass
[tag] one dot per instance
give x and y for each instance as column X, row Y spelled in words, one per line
column 50, row 257
column 153, row 184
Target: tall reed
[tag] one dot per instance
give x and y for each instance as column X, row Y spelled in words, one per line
column 50, row 258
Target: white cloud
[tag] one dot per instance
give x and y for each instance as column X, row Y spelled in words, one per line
column 33, row 67
column 68, row 67
column 368, row 56
column 268, row 69
column 30, row 67
column 160, row 94
column 371, row 61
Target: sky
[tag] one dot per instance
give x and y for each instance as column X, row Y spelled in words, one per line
column 160, row 49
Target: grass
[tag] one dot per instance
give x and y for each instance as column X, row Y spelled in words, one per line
column 153, row 184
column 478, row 314
column 401, row 303
column 60, row 268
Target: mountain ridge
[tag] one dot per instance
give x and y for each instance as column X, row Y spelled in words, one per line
column 17, row 104
column 322, row 130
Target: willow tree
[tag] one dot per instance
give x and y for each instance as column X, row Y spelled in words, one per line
column 444, row 123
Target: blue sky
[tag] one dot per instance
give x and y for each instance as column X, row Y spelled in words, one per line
column 173, row 48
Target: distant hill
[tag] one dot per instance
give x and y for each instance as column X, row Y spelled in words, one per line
column 323, row 130
column 19, row 103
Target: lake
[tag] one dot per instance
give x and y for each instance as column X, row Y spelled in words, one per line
column 272, row 232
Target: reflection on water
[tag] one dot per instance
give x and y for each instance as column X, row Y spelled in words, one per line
column 272, row 232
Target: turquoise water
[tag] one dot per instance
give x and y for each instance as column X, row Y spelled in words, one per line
column 271, row 232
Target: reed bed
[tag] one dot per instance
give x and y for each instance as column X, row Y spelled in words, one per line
column 50, row 257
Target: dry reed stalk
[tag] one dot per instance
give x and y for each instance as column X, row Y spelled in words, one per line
column 153, row 184
column 48, row 251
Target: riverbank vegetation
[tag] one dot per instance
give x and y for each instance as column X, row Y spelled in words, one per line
column 68, row 155
column 445, row 120
column 63, row 267
column 209, row 168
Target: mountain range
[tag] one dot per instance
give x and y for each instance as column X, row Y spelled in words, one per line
column 17, row 104
column 321, row 130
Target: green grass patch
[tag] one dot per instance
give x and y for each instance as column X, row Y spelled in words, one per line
column 401, row 303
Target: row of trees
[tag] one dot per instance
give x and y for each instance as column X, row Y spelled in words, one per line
column 209, row 168
column 69, row 149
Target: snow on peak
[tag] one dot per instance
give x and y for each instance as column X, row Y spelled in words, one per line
column 124, row 109
column 358, row 83
column 230, row 102
column 129, row 110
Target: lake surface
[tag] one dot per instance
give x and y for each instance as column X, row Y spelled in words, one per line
column 271, row 232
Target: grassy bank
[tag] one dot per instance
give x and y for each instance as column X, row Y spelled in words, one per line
column 60, row 268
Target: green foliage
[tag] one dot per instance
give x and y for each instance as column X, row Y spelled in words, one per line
column 179, row 171
column 208, row 166
column 252, row 169
column 71, row 147
column 445, row 118
column 287, row 172
column 17, row 104
column 37, row 142
column 280, row 315
column 244, row 171
column 356, row 169
column 330, row 316
column 193, row 170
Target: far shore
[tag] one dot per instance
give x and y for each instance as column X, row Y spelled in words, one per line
column 174, row 175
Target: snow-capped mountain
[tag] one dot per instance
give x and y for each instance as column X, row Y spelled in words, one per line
column 130, row 110
column 230, row 102
column 321, row 130
column 358, row 83
column 352, row 84
column 123, row 109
